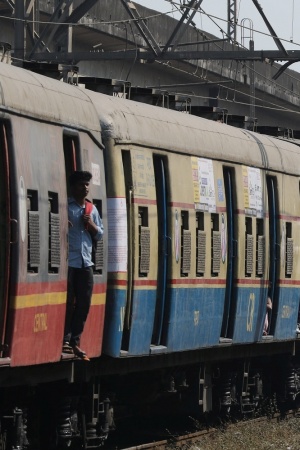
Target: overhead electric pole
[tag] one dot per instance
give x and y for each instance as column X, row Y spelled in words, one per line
column 231, row 20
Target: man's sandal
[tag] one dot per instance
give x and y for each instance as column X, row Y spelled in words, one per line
column 80, row 353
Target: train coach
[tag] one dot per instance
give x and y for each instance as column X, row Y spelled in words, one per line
column 201, row 226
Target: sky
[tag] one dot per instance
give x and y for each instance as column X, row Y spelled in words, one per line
column 282, row 15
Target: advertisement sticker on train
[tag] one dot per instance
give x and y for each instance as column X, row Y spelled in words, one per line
column 96, row 174
column 252, row 187
column 117, row 234
column 220, row 190
column 204, row 184
column 143, row 176
column 23, row 209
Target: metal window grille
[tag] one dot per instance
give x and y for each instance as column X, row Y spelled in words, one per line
column 33, row 239
column 144, row 265
column 186, row 252
column 216, row 252
column 249, row 254
column 260, row 255
column 201, row 252
column 289, row 256
column 54, row 240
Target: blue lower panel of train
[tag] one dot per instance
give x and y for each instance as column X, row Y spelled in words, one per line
column 130, row 331
column 195, row 318
column 249, row 314
column 286, row 315
column 114, row 321
column 192, row 319
column 141, row 330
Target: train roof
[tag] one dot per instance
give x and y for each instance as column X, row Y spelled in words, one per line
column 128, row 121
column 27, row 93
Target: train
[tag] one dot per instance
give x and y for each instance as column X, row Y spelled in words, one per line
column 201, row 227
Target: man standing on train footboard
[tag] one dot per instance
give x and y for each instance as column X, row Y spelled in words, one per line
column 85, row 227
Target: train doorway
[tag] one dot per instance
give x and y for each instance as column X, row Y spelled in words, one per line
column 158, row 336
column 274, row 246
column 127, row 165
column 71, row 154
column 230, row 296
column 6, row 226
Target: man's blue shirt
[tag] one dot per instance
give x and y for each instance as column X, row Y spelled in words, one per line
column 80, row 240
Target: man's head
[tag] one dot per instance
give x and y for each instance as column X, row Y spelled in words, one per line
column 79, row 182
column 78, row 176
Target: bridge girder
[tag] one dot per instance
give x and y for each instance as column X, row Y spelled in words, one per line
column 64, row 16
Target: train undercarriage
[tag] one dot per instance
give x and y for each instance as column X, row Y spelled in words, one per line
column 86, row 411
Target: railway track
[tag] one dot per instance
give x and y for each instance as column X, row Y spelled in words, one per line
column 174, row 441
column 180, row 441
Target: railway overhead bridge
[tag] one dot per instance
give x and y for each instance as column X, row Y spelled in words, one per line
column 119, row 46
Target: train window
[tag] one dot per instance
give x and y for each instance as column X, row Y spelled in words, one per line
column 144, row 242
column 289, row 260
column 215, row 246
column 98, row 248
column 260, row 248
column 249, row 247
column 54, row 234
column 186, row 244
column 200, row 244
column 33, row 241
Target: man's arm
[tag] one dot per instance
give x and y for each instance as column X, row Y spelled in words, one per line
column 94, row 224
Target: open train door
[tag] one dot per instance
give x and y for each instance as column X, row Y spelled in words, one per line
column 158, row 338
column 230, row 293
column 71, row 154
column 274, row 247
column 6, row 224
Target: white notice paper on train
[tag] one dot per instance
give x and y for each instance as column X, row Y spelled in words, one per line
column 117, row 234
column 252, row 185
column 204, row 184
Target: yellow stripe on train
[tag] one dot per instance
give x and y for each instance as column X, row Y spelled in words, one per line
column 49, row 298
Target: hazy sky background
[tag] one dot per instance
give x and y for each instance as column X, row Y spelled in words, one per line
column 282, row 15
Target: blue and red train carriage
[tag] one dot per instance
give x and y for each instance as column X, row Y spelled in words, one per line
column 201, row 222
